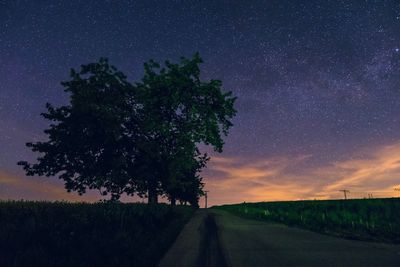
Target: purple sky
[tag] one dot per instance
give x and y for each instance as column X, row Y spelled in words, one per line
column 318, row 85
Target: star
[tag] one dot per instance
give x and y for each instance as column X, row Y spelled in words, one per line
column 309, row 75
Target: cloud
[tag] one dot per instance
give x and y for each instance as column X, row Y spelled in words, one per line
column 375, row 171
column 37, row 188
column 379, row 172
column 234, row 180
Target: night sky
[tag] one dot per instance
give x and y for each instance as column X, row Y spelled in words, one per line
column 318, row 86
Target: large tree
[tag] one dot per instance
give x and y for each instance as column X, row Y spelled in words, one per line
column 92, row 142
column 141, row 138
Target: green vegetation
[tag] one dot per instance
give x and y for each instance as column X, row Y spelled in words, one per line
column 82, row 234
column 364, row 219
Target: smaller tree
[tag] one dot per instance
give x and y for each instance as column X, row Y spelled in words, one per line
column 182, row 112
column 184, row 182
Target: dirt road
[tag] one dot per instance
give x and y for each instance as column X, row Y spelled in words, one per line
column 223, row 239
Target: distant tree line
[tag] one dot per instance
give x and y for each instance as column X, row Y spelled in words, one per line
column 135, row 138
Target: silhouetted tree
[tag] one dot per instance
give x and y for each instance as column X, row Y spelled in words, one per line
column 93, row 140
column 122, row 138
column 185, row 183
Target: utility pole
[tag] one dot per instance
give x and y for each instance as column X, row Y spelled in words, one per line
column 206, row 196
column 397, row 189
column 345, row 193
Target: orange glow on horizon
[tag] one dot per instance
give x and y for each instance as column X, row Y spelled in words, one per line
column 232, row 180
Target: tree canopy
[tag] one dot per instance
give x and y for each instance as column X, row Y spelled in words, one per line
column 141, row 138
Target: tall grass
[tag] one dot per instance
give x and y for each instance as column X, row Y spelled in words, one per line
column 82, row 234
column 365, row 219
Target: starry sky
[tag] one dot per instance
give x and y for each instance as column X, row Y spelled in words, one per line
column 318, row 86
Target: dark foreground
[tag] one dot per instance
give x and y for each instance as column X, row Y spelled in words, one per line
column 46, row 234
column 235, row 241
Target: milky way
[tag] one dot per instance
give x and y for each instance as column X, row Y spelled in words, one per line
column 314, row 79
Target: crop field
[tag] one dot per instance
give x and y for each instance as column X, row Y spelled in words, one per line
column 364, row 219
column 82, row 234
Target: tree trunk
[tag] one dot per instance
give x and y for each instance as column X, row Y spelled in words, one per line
column 153, row 198
column 173, row 201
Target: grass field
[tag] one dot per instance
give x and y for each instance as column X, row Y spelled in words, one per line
column 364, row 219
column 101, row 234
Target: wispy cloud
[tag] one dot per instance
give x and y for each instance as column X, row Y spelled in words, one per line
column 36, row 188
column 375, row 171
column 234, row 180
column 379, row 172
